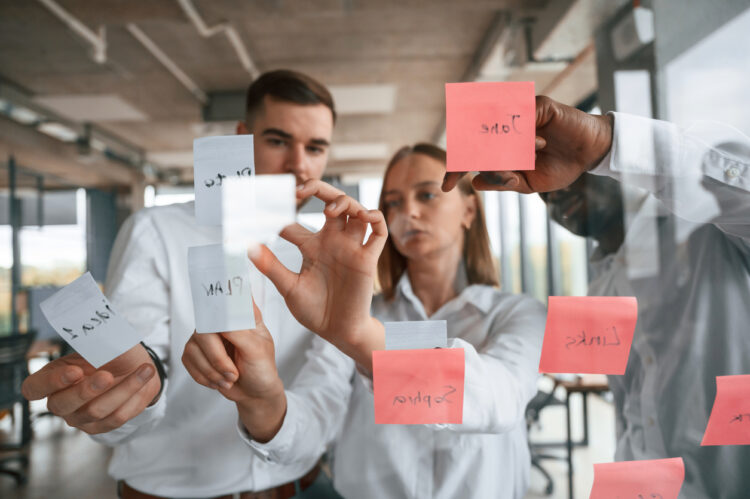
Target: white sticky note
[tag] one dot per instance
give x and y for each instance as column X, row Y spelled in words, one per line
column 84, row 318
column 220, row 285
column 410, row 335
column 257, row 208
column 215, row 160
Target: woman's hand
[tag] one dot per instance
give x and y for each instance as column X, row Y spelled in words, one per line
column 569, row 143
column 332, row 293
column 241, row 365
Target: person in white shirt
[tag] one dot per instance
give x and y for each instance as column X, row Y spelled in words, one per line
column 436, row 264
column 178, row 440
column 670, row 210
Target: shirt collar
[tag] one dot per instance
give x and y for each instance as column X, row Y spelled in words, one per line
column 467, row 294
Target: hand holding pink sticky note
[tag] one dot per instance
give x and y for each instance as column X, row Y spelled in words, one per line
column 421, row 386
column 650, row 479
column 729, row 423
column 588, row 334
column 490, row 126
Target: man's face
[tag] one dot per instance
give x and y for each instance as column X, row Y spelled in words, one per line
column 291, row 138
column 588, row 207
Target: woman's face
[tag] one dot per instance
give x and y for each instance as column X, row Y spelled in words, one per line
column 422, row 219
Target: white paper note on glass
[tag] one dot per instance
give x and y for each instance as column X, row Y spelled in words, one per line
column 84, row 318
column 409, row 335
column 215, row 160
column 220, row 285
column 256, row 209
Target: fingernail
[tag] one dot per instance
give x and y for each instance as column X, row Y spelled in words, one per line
column 214, row 386
column 300, row 187
column 225, row 384
column 229, row 376
column 495, row 179
column 332, row 206
column 68, row 378
column 144, row 373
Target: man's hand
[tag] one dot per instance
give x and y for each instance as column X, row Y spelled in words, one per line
column 332, row 293
column 569, row 143
column 96, row 400
column 241, row 365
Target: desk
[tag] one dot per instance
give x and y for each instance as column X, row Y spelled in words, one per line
column 585, row 384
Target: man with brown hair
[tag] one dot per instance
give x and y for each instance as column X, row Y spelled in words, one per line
column 177, row 438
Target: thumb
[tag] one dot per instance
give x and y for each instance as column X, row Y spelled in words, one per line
column 240, row 338
column 270, row 266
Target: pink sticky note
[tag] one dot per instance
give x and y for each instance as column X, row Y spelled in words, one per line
column 490, row 126
column 651, row 479
column 588, row 334
column 418, row 386
column 729, row 423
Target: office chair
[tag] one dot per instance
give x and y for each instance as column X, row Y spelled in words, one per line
column 13, row 370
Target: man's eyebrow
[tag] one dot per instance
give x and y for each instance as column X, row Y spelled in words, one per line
column 320, row 142
column 392, row 191
column 276, row 131
column 289, row 136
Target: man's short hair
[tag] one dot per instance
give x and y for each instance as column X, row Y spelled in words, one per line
column 289, row 86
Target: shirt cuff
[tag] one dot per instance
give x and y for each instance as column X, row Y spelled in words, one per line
column 281, row 444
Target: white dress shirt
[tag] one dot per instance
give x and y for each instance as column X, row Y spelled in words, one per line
column 186, row 445
column 486, row 456
column 686, row 257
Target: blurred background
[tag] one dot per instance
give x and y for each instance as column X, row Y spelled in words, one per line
column 100, row 102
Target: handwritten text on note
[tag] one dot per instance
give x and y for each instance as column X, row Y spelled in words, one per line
column 215, row 160
column 220, row 285
column 85, row 319
column 729, row 423
column 490, row 126
column 588, row 334
column 418, row 386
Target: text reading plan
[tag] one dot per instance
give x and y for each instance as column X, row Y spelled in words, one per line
column 490, row 126
column 220, row 286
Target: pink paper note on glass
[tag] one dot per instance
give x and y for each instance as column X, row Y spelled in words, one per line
column 421, row 386
column 588, row 334
column 490, row 126
column 650, row 479
column 729, row 423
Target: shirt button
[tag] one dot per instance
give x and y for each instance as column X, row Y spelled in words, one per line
column 651, row 421
column 733, row 172
column 649, row 360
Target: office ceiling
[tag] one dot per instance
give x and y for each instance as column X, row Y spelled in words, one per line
column 387, row 61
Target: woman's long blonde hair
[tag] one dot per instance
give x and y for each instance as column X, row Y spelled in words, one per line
column 477, row 257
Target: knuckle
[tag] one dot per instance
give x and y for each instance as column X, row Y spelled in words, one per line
column 95, row 412
column 53, row 406
column 117, row 419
